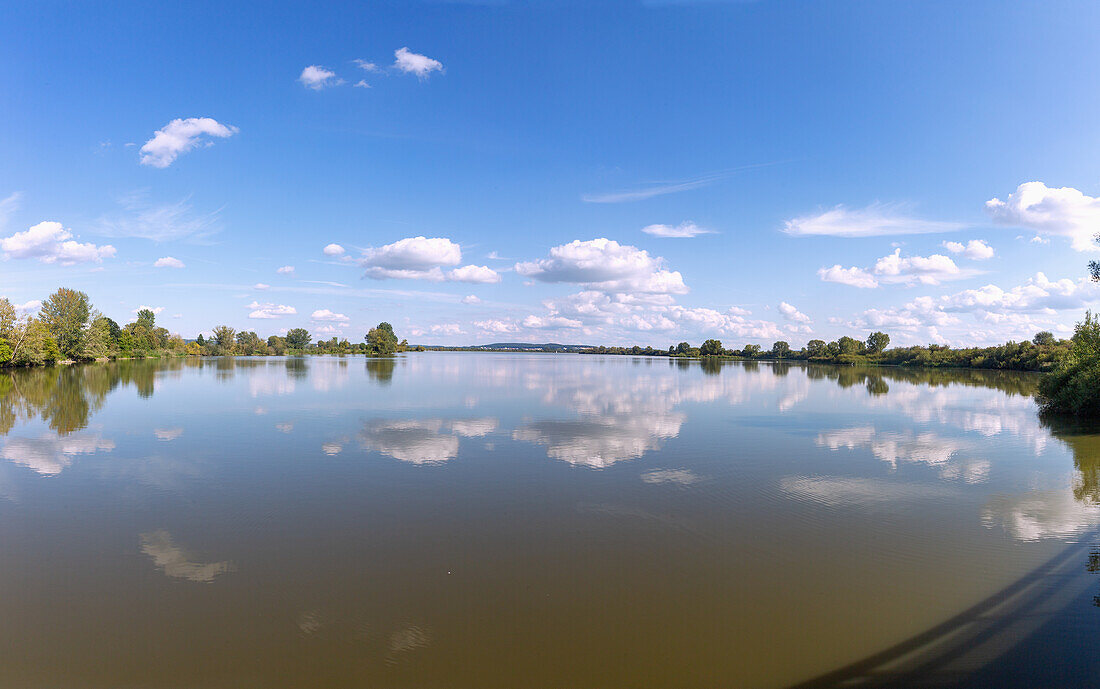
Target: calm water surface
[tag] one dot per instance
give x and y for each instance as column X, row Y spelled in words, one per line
column 492, row 520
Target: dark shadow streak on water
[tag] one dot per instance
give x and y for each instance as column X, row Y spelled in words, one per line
column 983, row 645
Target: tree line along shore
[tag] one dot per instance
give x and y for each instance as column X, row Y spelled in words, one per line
column 68, row 328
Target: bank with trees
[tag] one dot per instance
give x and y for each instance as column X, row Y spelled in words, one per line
column 68, row 328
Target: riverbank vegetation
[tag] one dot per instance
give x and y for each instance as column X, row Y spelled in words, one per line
column 1044, row 352
column 68, row 328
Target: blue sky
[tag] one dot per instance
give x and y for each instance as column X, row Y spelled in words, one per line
column 489, row 169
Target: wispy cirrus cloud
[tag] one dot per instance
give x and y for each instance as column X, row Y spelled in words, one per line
column 876, row 220
column 163, row 222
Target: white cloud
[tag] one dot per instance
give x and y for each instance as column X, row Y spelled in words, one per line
column 163, row 223
column 261, row 286
column 285, row 270
column 897, row 269
column 855, row 277
column 683, row 230
column 605, row 265
column 1062, row 212
column 8, row 206
column 975, row 249
column 793, row 314
column 414, row 63
column 361, row 84
column 328, row 330
column 1039, row 240
column 550, row 322
column 49, row 242
column 50, row 454
column 333, row 250
column 1038, row 294
column 155, row 309
column 496, row 327
column 471, row 299
column 472, row 273
column 317, row 77
column 269, row 310
column 872, row 221
column 327, row 315
column 367, row 66
column 168, row 262
column 656, row 189
column 411, row 258
column 27, row 307
column 180, row 136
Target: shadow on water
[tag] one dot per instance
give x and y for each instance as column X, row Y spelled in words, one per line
column 1037, row 632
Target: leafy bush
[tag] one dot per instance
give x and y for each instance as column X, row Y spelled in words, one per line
column 1074, row 387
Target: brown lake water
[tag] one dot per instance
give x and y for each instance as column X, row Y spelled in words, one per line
column 499, row 520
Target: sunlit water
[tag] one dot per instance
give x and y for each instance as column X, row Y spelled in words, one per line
column 491, row 520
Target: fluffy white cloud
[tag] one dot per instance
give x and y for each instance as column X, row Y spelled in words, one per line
column 261, row 286
column 683, row 230
column 549, row 322
column 269, row 310
column 168, row 262
column 411, row 258
column 472, row 273
column 155, row 309
column 27, row 307
column 898, row 269
column 471, row 299
column 872, row 221
column 605, row 265
column 180, row 136
column 49, row 242
column 367, row 66
column 1038, row 294
column 855, row 277
column 414, row 63
column 317, row 77
column 1063, row 212
column 285, row 270
column 975, row 249
column 327, row 315
column 333, row 250
column 793, row 314
column 496, row 327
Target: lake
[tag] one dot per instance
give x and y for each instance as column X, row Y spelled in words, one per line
column 530, row 520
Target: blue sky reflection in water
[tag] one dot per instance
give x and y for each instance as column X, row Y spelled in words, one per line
column 475, row 520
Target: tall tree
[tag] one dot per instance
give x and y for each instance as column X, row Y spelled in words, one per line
column 223, row 338
column 65, row 315
column 381, row 340
column 147, row 318
column 710, row 348
column 877, row 342
column 298, row 338
column 781, row 349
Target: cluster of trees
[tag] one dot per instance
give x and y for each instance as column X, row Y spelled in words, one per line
column 67, row 327
column 1044, row 352
column 1074, row 386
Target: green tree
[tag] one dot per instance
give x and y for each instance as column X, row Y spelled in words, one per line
column 751, row 351
column 781, row 349
column 298, row 338
column 277, row 345
column 97, row 344
column 708, row 348
column 147, row 318
column 816, row 348
column 65, row 315
column 1043, row 339
column 249, row 343
column 381, row 340
column 877, row 342
column 223, row 339
column 683, row 349
column 850, row 345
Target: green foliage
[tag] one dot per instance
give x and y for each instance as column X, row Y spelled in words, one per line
column 223, row 340
column 381, row 341
column 298, row 338
column 5, row 351
column 877, row 342
column 750, row 351
column 712, row 348
column 1074, row 387
column 781, row 350
column 1043, row 339
column 65, row 313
